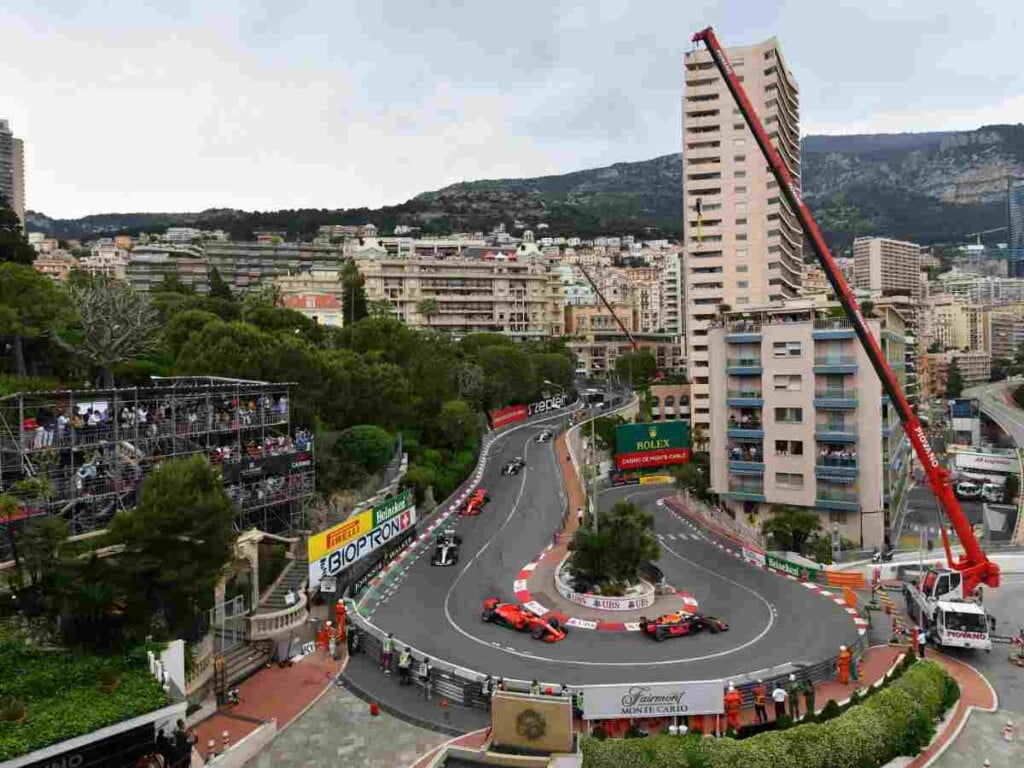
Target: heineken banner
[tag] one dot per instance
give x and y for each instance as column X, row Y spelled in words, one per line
column 654, row 444
column 334, row 550
column 802, row 572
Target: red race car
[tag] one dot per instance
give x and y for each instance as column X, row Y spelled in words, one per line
column 679, row 624
column 475, row 503
column 519, row 618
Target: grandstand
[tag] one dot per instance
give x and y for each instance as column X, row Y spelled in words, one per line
column 82, row 454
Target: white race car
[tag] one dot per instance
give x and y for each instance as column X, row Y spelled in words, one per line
column 446, row 552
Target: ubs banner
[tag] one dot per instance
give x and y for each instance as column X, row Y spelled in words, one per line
column 602, row 702
column 334, row 550
column 516, row 413
column 654, row 444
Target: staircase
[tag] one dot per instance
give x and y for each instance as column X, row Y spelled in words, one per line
column 293, row 580
column 242, row 661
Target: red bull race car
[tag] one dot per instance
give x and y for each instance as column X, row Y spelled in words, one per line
column 517, row 617
column 475, row 503
column 680, row 624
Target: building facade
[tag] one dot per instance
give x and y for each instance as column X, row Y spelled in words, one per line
column 883, row 265
column 317, row 295
column 153, row 263
column 743, row 245
column 12, row 170
column 1015, row 217
column 933, row 370
column 803, row 420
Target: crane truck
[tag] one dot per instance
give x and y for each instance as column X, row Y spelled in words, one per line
column 943, row 602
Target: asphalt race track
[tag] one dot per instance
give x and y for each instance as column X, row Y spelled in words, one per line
column 773, row 620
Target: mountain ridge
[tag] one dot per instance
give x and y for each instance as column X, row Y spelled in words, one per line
column 933, row 187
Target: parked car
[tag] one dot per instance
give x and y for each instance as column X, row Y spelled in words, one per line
column 992, row 493
column 965, row 489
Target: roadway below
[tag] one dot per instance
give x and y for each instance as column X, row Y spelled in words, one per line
column 773, row 620
column 993, row 403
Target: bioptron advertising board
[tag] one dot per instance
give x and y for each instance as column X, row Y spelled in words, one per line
column 653, row 444
column 334, row 550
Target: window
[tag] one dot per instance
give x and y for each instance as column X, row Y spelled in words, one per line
column 743, row 284
column 740, row 175
column 789, row 382
column 741, row 190
column 739, row 142
column 743, row 300
column 739, row 158
column 738, row 126
column 741, row 238
column 742, row 268
column 789, row 480
column 741, row 253
column 789, row 448
column 787, row 349
column 789, row 415
column 741, row 208
column 740, row 222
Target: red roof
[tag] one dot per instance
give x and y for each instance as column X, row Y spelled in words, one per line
column 312, row 301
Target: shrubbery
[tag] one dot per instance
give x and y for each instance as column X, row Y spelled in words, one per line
column 898, row 720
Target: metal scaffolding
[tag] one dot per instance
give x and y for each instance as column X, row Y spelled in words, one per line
column 83, row 454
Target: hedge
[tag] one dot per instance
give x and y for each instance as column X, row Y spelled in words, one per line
column 897, row 720
column 61, row 696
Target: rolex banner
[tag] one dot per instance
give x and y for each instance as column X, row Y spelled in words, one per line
column 654, row 444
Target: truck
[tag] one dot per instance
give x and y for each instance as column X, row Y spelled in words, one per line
column 942, row 599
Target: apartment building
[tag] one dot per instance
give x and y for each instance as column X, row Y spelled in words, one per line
column 56, row 265
column 12, row 170
column 933, row 370
column 944, row 321
column 252, row 266
column 153, row 263
column 883, row 265
column 743, row 244
column 106, row 259
column 514, row 290
column 1015, row 231
column 317, row 295
column 805, row 419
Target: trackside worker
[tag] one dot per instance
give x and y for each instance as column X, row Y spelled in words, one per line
column 425, row 676
column 732, row 701
column 793, row 697
column 487, row 687
column 387, row 652
column 404, row 666
column 844, row 664
column 578, row 703
column 760, row 697
column 535, row 688
column 779, row 698
column 340, row 616
column 922, row 641
column 809, row 697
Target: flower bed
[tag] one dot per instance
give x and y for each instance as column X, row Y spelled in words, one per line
column 62, row 697
column 896, row 720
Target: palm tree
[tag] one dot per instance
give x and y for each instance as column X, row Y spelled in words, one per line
column 428, row 308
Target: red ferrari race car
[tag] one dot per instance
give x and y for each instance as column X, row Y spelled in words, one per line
column 517, row 617
column 679, row 624
column 475, row 503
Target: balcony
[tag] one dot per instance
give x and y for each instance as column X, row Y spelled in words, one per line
column 745, row 490
column 837, row 464
column 739, row 331
column 845, row 498
column 746, row 428
column 835, row 432
column 835, row 399
column 743, row 366
column 744, row 398
column 833, row 328
column 745, row 458
column 835, row 364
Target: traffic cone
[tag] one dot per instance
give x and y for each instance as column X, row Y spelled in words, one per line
column 374, row 708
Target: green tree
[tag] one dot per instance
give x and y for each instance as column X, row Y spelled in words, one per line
column 177, row 542
column 935, row 347
column 954, row 380
column 353, row 293
column 604, row 431
column 183, row 325
column 694, row 478
column 112, row 323
column 611, row 556
column 457, row 425
column 14, row 247
column 172, row 283
column 638, row 368
column 30, row 304
column 363, row 450
column 429, row 309
column 39, row 545
column 507, row 375
column 553, row 367
column 789, row 528
column 219, row 289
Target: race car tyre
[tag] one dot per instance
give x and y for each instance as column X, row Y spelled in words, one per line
column 458, row 540
column 659, row 634
column 487, row 616
column 554, row 623
column 713, row 628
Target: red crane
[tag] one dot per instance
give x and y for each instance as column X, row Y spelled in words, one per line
column 974, row 564
column 608, row 306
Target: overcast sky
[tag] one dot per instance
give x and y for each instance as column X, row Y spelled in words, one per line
column 153, row 105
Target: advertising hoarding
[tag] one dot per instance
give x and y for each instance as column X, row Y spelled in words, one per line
column 516, row 413
column 601, row 702
column 1004, row 463
column 334, row 550
column 652, row 444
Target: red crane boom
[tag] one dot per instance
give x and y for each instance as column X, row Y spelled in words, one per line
column 974, row 564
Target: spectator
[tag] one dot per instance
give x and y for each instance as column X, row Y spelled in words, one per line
column 779, row 697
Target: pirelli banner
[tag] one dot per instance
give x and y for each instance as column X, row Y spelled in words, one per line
column 654, row 444
column 337, row 548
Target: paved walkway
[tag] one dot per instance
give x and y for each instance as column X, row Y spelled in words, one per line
column 982, row 739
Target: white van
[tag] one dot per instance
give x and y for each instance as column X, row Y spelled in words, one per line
column 965, row 489
column 992, row 493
